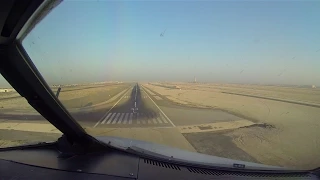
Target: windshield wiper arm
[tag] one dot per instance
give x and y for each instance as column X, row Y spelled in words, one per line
column 26, row 146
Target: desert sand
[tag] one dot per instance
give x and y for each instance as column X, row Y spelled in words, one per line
column 73, row 98
column 291, row 137
column 25, row 130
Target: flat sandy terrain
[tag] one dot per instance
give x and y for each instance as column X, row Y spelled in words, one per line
column 285, row 134
column 71, row 97
column 32, row 127
column 274, row 125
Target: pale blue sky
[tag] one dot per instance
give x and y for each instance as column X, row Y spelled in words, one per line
column 232, row 42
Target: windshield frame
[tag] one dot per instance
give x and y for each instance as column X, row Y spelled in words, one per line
column 20, row 72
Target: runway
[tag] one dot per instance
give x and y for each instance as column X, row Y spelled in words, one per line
column 141, row 107
column 134, row 109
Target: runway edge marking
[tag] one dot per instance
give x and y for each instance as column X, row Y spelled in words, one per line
column 111, row 108
column 159, row 108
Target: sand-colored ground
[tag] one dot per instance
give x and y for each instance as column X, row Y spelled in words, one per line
column 15, row 104
column 10, row 137
column 215, row 127
column 76, row 98
column 288, row 93
column 165, row 136
column 13, row 134
column 8, row 95
column 44, row 127
column 291, row 140
column 87, row 96
column 71, row 97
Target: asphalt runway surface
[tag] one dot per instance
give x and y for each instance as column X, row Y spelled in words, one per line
column 134, row 109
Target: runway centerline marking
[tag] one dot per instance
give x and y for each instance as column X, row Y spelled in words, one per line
column 111, row 108
column 159, row 108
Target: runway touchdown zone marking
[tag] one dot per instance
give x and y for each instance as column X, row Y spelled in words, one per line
column 130, row 118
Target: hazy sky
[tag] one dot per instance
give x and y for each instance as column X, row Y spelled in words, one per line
column 233, row 42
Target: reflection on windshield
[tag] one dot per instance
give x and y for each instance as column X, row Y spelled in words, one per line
column 230, row 79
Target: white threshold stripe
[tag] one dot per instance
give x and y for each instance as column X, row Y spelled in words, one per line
column 134, row 118
column 111, row 108
column 163, row 118
column 106, row 118
column 153, row 118
column 160, row 110
column 130, row 118
column 126, row 118
column 116, row 118
column 159, row 120
column 121, row 117
column 109, row 121
column 148, row 118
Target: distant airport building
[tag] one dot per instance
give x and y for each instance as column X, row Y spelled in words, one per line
column 195, row 79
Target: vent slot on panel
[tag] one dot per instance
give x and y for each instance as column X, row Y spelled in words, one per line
column 226, row 173
column 161, row 164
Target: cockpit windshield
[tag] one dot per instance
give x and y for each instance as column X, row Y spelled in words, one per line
column 238, row 80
